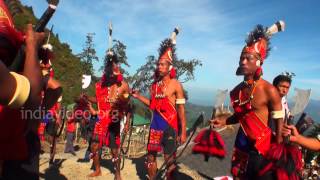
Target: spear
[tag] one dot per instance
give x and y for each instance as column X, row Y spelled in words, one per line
column 17, row 64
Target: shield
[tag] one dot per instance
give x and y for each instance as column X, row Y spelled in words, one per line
column 301, row 99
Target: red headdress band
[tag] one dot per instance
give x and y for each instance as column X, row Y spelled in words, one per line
column 167, row 51
column 258, row 39
column 258, row 43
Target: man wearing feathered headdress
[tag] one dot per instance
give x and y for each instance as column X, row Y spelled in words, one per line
column 167, row 103
column 255, row 102
column 52, row 96
column 112, row 99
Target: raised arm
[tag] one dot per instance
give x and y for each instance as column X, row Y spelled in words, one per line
column 141, row 98
column 92, row 99
column 31, row 67
column 23, row 90
column 93, row 112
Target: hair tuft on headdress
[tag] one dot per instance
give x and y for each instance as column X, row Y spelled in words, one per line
column 258, row 40
column 290, row 75
column 167, row 48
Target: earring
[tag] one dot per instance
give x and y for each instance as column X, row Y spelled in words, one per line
column 258, row 63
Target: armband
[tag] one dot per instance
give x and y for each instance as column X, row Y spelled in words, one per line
column 277, row 114
column 22, row 91
column 59, row 99
column 180, row 101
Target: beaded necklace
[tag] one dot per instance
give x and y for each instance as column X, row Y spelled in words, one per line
column 162, row 88
column 109, row 98
column 241, row 96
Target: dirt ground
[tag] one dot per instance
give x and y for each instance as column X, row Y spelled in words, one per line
column 67, row 166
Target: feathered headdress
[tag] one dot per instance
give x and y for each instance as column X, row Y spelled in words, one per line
column 258, row 42
column 110, row 58
column 290, row 75
column 167, row 51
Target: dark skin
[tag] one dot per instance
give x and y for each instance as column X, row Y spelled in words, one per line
column 283, row 88
column 295, row 137
column 31, row 71
column 173, row 91
column 266, row 97
column 123, row 91
column 51, row 138
column 52, row 83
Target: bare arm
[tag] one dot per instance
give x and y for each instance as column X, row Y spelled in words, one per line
column 275, row 105
column 144, row 100
column 309, row 143
column 92, row 99
column 31, row 67
column 221, row 121
column 128, row 122
column 141, row 98
column 7, row 85
column 91, row 109
column 58, row 113
column 181, row 113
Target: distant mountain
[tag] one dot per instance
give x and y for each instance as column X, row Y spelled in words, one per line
column 313, row 110
column 193, row 110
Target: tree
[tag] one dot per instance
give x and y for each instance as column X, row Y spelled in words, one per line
column 88, row 54
column 119, row 49
column 143, row 78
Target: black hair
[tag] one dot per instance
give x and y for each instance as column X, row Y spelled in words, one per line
column 281, row 78
column 259, row 32
column 108, row 72
column 165, row 44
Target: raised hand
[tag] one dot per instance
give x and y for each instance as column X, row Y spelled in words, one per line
column 218, row 122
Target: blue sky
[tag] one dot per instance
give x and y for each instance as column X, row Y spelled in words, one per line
column 212, row 31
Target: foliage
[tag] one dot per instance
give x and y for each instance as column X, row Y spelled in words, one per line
column 67, row 67
column 88, row 55
column 143, row 78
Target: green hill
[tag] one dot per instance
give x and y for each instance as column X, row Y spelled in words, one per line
column 67, row 67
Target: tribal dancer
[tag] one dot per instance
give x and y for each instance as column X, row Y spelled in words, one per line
column 255, row 102
column 51, row 92
column 112, row 97
column 167, row 103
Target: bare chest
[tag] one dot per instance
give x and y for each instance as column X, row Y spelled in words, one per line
column 165, row 90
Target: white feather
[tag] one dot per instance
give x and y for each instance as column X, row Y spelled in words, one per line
column 86, row 80
column 47, row 46
column 174, row 35
column 274, row 29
